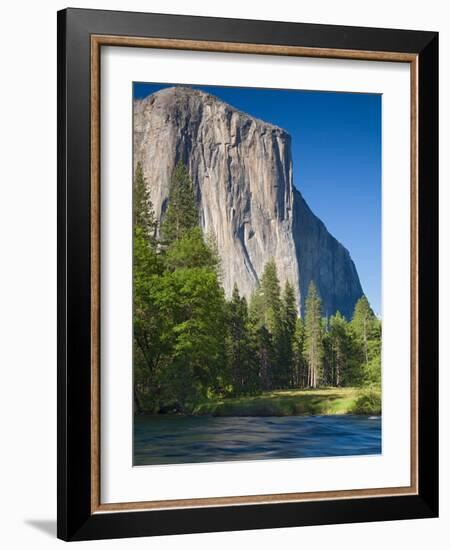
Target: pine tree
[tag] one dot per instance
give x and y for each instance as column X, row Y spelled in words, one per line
column 240, row 351
column 313, row 336
column 211, row 242
column 147, row 321
column 299, row 364
column 193, row 304
column 372, row 371
column 182, row 214
column 143, row 216
column 265, row 354
column 289, row 319
column 271, row 296
column 272, row 320
column 190, row 251
column 328, row 358
column 340, row 349
column 262, row 340
column 256, row 308
column 363, row 324
column 365, row 329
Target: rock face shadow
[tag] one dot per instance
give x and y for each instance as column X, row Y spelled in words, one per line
column 46, row 526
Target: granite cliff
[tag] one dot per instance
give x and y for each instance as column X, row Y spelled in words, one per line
column 242, row 172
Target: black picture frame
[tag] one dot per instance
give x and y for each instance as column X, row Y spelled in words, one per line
column 75, row 518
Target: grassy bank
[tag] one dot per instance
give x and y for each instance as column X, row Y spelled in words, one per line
column 297, row 402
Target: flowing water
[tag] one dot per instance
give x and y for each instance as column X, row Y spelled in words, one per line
column 183, row 439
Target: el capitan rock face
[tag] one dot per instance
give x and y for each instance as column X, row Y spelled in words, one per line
column 242, row 172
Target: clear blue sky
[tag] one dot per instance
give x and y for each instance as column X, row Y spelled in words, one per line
column 336, row 152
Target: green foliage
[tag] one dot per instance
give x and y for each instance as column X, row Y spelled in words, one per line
column 273, row 318
column 146, row 320
column 143, row 215
column 265, row 354
column 256, row 309
column 261, row 338
column 342, row 356
column 367, row 331
column 286, row 352
column 182, row 214
column 290, row 402
column 371, row 373
column 368, row 401
column 179, row 305
column 270, row 292
column 192, row 346
column 299, row 363
column 364, row 324
column 272, row 331
column 192, row 303
column 314, row 349
column 211, row 243
column 244, row 369
column 190, row 251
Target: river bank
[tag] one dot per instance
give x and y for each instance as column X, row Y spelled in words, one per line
column 324, row 401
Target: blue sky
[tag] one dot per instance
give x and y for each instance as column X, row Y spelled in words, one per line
column 336, row 152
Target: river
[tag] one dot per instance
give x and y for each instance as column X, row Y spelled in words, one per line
column 185, row 439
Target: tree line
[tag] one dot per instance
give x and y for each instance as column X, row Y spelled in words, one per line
column 192, row 344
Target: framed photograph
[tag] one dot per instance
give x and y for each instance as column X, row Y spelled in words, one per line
column 247, row 254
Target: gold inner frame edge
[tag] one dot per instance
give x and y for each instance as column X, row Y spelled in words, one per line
column 97, row 41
